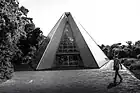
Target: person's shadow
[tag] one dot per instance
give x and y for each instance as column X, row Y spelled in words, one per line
column 111, row 85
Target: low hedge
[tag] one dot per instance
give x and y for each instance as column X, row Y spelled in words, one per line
column 135, row 66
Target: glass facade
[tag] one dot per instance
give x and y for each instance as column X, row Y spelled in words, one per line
column 68, row 53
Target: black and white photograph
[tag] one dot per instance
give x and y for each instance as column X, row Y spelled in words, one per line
column 69, row 46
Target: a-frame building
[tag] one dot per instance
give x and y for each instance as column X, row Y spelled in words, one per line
column 70, row 46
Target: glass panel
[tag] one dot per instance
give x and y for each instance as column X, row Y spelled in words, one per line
column 68, row 53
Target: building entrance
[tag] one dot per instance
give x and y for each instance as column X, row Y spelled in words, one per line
column 68, row 53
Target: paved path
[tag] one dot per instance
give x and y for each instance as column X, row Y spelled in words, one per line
column 69, row 81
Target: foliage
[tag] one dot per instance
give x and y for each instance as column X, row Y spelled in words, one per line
column 9, row 35
column 19, row 38
column 135, row 67
column 125, row 51
column 129, row 54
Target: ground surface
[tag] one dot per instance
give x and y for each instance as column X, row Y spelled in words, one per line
column 70, row 81
column 136, row 73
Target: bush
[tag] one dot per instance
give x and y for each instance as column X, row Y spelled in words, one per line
column 129, row 62
column 135, row 67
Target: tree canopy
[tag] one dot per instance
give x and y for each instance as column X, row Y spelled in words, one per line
column 19, row 37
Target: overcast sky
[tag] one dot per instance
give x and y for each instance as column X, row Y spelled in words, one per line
column 108, row 21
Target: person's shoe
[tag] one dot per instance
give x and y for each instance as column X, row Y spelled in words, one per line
column 121, row 80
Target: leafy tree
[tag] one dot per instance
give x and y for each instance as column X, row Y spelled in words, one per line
column 19, row 38
column 10, row 32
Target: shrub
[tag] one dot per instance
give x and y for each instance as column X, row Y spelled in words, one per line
column 135, row 67
column 129, row 62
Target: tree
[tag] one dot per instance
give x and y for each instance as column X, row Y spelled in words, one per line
column 19, row 38
column 10, row 32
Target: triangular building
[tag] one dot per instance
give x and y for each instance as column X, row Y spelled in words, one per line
column 70, row 46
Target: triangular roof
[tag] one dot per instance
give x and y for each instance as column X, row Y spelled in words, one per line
column 91, row 55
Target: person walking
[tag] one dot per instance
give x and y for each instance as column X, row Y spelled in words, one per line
column 117, row 65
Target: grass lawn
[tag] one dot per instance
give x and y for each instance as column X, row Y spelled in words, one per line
column 70, row 81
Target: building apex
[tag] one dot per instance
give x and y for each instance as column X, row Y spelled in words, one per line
column 67, row 13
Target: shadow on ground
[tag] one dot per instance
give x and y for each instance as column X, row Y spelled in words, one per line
column 111, row 85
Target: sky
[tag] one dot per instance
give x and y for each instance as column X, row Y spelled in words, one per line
column 107, row 21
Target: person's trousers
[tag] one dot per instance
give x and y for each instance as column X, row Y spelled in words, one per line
column 117, row 74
